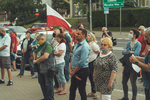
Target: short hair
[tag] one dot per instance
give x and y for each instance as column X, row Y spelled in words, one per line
column 143, row 28
column 136, row 32
column 92, row 36
column 79, row 25
column 110, row 44
column 41, row 36
column 2, row 29
column 84, row 32
column 104, row 28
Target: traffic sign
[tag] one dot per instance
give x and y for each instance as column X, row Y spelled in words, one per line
column 106, row 10
column 113, row 3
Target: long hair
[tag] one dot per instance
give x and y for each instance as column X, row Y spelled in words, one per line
column 92, row 36
column 63, row 40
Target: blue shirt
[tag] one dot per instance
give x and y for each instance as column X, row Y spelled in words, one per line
column 146, row 75
column 136, row 49
column 80, row 55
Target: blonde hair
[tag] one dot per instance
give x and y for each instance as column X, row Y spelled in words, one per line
column 92, row 36
column 110, row 44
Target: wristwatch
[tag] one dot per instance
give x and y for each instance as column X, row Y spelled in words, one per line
column 137, row 62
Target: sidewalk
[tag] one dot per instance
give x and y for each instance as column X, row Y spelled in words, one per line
column 26, row 88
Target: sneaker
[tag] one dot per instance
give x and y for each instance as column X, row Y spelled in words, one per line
column 10, row 83
column 124, row 98
column 34, row 76
column 2, row 81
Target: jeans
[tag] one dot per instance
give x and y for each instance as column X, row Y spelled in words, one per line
column 56, row 82
column 60, row 76
column 80, row 84
column 46, row 84
column 66, row 71
column 133, row 77
column 27, row 59
column 91, row 69
column 147, row 94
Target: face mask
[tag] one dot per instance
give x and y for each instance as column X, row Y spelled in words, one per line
column 2, row 35
column 147, row 42
column 54, row 34
column 139, row 32
column 130, row 36
column 87, row 40
column 40, row 42
column 104, row 50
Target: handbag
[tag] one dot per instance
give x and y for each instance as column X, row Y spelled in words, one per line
column 114, row 40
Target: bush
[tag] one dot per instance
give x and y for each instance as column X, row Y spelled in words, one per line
column 130, row 17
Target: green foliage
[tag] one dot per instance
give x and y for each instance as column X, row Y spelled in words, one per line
column 130, row 17
column 20, row 9
column 61, row 4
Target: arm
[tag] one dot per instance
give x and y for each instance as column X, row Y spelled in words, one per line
column 108, row 35
column 70, row 46
column 111, row 80
column 126, row 50
column 12, row 48
column 42, row 58
column 34, row 54
column 145, row 50
column 145, row 67
column 3, row 47
column 137, row 49
column 59, row 53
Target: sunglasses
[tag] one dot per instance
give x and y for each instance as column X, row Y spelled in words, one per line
column 104, row 44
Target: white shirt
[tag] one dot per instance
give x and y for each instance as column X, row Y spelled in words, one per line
column 94, row 47
column 60, row 59
column 6, row 40
column 25, row 43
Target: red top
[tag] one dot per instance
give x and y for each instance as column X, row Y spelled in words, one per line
column 13, row 40
column 143, row 43
column 74, row 36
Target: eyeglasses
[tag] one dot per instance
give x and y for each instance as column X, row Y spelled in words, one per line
column 140, row 29
column 104, row 44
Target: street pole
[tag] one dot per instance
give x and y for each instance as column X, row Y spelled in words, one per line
column 120, row 20
column 105, row 20
column 90, row 15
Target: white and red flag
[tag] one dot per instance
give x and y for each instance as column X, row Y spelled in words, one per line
column 55, row 19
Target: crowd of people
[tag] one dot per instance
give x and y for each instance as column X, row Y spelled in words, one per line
column 79, row 56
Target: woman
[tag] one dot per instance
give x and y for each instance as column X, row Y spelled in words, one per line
column 60, row 50
column 133, row 47
column 93, row 54
column 105, row 69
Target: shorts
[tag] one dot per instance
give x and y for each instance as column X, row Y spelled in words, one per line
column 12, row 56
column 5, row 62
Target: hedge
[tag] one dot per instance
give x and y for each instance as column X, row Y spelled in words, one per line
column 131, row 17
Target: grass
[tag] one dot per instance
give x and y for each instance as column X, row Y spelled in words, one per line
column 125, row 29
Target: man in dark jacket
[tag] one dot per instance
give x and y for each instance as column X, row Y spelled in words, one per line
column 26, row 51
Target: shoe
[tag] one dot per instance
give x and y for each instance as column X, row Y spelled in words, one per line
column 34, row 76
column 10, row 83
column 62, row 93
column 124, row 98
column 19, row 74
column 2, row 81
column 57, row 91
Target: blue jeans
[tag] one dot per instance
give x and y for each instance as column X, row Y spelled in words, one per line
column 67, row 59
column 27, row 59
column 60, row 76
column 46, row 84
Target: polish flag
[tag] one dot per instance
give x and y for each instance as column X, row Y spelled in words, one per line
column 55, row 19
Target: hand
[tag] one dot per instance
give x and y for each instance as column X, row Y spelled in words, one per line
column 133, row 59
column 109, row 86
column 143, row 54
column 71, row 73
column 125, row 49
column 131, row 51
column 34, row 61
column 22, row 51
column 11, row 51
column 70, row 54
column 25, row 51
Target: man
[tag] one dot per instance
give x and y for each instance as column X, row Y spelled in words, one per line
column 26, row 50
column 73, row 35
column 79, row 66
column 106, row 33
column 144, row 64
column 5, row 56
column 43, row 57
column 144, row 46
column 68, row 51
column 13, row 48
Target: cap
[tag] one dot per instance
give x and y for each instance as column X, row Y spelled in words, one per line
column 11, row 29
column 28, row 32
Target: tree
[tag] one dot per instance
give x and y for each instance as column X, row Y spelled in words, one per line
column 129, row 4
column 20, row 9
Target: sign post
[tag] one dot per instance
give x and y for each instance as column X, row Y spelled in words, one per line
column 106, row 11
column 114, row 3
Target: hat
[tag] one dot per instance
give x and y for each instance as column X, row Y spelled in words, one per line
column 11, row 29
column 28, row 32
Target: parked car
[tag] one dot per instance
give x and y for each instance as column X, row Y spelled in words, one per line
column 5, row 24
column 39, row 26
column 49, row 39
